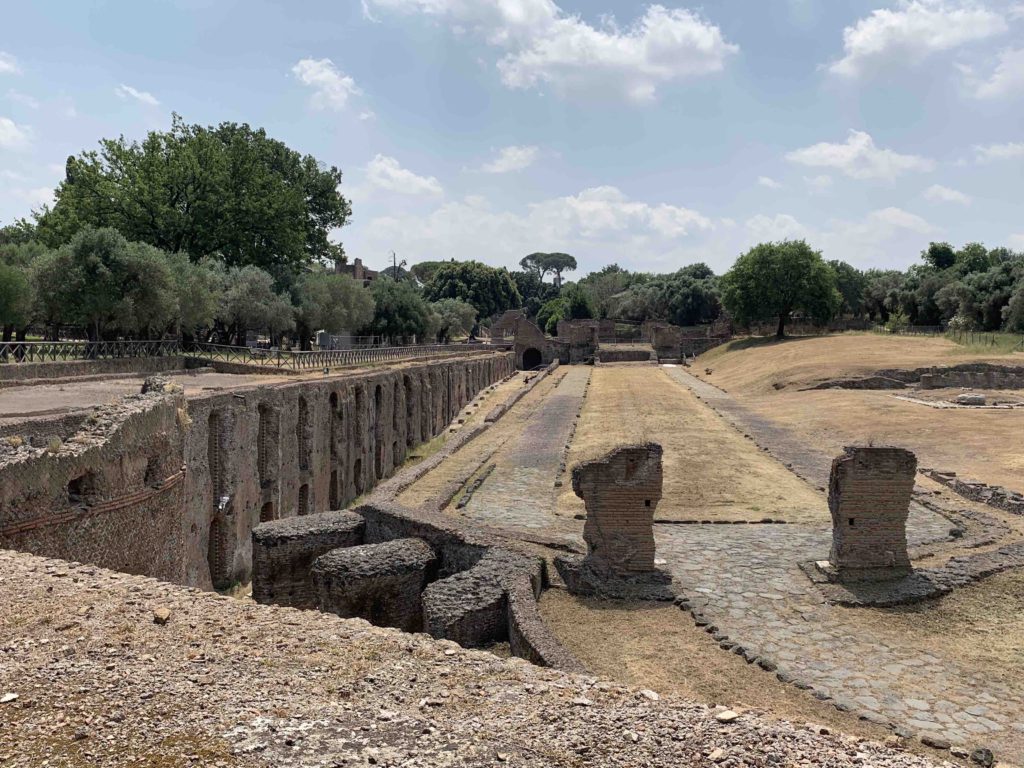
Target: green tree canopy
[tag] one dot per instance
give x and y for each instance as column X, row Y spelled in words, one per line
column 228, row 190
column 686, row 297
column 939, row 255
column 544, row 263
column 400, row 312
column 109, row 285
column 488, row 289
column 451, row 318
column 851, row 283
column 251, row 303
column 330, row 302
column 424, row 270
column 774, row 280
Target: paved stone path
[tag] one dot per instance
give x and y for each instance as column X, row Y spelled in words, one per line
column 521, row 489
column 746, row 581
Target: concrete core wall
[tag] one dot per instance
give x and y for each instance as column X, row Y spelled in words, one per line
column 224, row 462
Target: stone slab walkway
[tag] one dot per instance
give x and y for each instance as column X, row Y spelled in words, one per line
column 520, row 492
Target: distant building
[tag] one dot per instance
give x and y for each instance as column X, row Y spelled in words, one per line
column 357, row 271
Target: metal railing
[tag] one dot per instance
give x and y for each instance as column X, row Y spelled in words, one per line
column 327, row 358
column 57, row 351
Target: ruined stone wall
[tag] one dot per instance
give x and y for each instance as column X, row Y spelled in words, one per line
column 251, row 454
column 990, row 379
column 110, row 495
column 321, row 445
column 22, row 372
column 869, row 498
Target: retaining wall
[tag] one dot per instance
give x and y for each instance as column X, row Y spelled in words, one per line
column 251, row 454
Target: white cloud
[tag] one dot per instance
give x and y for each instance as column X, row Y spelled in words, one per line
column 545, row 46
column 386, row 173
column 1016, row 241
column 12, row 175
column 991, row 152
column 23, row 98
column 8, row 64
column 12, row 135
column 599, row 220
column 859, row 158
column 937, row 193
column 766, row 181
column 367, row 114
column 144, row 97
column 782, row 226
column 331, row 87
column 510, row 159
column 37, row 197
column 818, row 184
column 912, row 32
column 1006, row 79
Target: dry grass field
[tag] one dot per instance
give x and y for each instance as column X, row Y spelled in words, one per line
column 985, row 444
column 710, row 471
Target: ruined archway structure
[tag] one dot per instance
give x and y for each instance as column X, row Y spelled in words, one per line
column 176, row 486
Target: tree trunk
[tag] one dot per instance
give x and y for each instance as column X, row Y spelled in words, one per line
column 781, row 332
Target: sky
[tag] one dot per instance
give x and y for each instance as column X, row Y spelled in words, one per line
column 648, row 135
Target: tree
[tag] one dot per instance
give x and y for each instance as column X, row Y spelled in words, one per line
column 973, row 257
column 605, row 285
column 250, row 302
column 108, row 285
column 18, row 260
column 881, row 293
column 851, row 284
column 774, row 280
column 424, row 271
column 199, row 287
column 939, row 255
column 490, row 290
column 533, row 291
column 330, row 302
column 451, row 318
column 228, row 190
column 578, row 304
column 400, row 312
column 543, row 263
column 549, row 315
column 687, row 297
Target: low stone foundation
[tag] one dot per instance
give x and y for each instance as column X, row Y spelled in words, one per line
column 993, row 495
column 377, row 582
column 284, row 551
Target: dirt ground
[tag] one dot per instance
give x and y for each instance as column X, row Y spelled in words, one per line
column 986, row 445
column 756, row 366
column 667, row 653
column 711, row 472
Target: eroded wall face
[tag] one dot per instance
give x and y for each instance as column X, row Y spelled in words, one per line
column 175, row 492
column 869, row 498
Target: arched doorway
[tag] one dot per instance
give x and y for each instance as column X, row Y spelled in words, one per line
column 531, row 359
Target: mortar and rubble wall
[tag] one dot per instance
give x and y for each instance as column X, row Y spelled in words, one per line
column 171, row 489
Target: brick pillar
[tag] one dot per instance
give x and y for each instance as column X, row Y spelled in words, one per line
column 869, row 498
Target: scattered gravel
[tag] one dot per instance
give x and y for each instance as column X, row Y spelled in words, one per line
column 104, row 668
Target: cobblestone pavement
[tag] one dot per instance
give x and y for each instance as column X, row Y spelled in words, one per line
column 746, row 582
column 520, row 491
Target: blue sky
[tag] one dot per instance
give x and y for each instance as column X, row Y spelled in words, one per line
column 649, row 135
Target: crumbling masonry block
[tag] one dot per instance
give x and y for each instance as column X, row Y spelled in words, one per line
column 377, row 582
column 869, row 498
column 283, row 552
column 621, row 491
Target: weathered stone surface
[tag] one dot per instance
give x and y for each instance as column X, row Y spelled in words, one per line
column 284, row 551
column 869, row 498
column 377, row 582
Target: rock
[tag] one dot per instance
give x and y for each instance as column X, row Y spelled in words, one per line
column 717, row 755
column 935, row 741
column 982, row 756
column 649, row 694
column 7, row 698
column 726, row 716
column 970, row 398
column 161, row 615
column 582, row 701
column 958, row 751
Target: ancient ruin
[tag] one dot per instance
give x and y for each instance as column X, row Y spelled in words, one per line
column 621, row 491
column 869, row 498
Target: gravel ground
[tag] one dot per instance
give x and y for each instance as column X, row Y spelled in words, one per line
column 103, row 668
